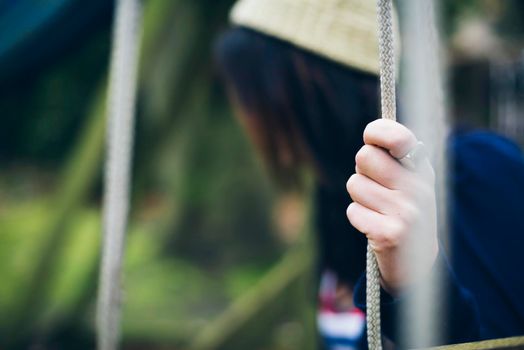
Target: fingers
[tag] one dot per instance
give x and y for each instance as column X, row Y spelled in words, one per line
column 384, row 231
column 390, row 135
column 372, row 195
column 398, row 141
column 377, row 164
column 391, row 202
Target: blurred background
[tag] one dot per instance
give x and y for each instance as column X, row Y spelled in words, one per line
column 217, row 256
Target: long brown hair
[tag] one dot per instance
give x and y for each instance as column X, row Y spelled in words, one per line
column 303, row 110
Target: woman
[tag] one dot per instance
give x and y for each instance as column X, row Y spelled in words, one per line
column 302, row 76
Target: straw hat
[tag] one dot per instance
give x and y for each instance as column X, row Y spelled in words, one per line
column 344, row 31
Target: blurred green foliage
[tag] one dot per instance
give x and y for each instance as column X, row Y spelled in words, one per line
column 201, row 232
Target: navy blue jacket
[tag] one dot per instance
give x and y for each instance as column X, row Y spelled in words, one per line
column 484, row 277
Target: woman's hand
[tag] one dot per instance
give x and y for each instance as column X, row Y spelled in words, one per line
column 393, row 206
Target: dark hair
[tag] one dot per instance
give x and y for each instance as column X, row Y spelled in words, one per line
column 303, row 109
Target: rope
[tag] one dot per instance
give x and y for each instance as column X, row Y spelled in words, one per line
column 373, row 301
column 386, row 46
column 120, row 122
column 388, row 108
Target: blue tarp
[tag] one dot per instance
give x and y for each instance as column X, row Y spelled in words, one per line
column 33, row 32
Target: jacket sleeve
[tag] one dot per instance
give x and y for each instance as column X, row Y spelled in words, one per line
column 455, row 306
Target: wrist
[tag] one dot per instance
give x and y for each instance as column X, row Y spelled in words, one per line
column 412, row 273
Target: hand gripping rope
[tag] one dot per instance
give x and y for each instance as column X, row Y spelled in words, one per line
column 388, row 108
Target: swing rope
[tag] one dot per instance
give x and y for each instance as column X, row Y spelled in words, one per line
column 388, row 108
column 120, row 123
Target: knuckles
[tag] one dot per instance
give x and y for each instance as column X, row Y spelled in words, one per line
column 405, row 213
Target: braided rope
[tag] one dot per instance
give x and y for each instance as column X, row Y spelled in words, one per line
column 120, row 122
column 388, row 107
column 386, row 59
column 373, row 301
